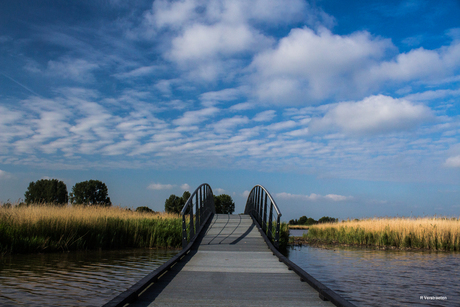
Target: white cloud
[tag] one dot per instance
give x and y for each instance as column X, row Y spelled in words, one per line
column 227, row 124
column 204, row 36
column 313, row 64
column 453, row 161
column 185, row 186
column 312, row 197
column 432, row 95
column 195, row 117
column 219, row 191
column 160, row 186
column 265, row 116
column 308, row 66
column 5, row 175
column 298, row 132
column 418, row 64
column 242, row 106
column 374, row 114
column 229, row 94
column 282, row 125
column 200, row 42
column 245, row 193
column 336, row 197
column 138, row 72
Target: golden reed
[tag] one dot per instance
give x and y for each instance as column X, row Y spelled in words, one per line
column 435, row 233
column 43, row 228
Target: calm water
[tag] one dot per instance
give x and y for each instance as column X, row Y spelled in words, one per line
column 297, row 232
column 384, row 278
column 74, row 279
column 364, row 277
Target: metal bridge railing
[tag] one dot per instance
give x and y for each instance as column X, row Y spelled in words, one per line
column 196, row 211
column 263, row 209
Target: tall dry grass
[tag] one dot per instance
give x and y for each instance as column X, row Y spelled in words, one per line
column 436, row 233
column 49, row 228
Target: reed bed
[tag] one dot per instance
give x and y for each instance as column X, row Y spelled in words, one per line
column 434, row 233
column 298, row 227
column 49, row 228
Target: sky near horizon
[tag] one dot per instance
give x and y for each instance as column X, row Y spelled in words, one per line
column 338, row 109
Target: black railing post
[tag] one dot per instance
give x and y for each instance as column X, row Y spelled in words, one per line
column 199, row 212
column 277, row 235
column 197, row 217
column 270, row 222
column 264, row 223
column 257, row 207
column 261, row 205
column 192, row 225
column 184, row 232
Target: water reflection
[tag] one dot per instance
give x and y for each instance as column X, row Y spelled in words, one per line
column 297, row 232
column 384, row 278
column 74, row 279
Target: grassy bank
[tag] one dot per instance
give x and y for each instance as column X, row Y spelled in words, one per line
column 47, row 228
column 404, row 233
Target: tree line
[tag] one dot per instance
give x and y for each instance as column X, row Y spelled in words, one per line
column 95, row 192
column 303, row 220
column 224, row 203
column 54, row 192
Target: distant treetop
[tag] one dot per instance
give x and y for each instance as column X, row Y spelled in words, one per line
column 47, row 191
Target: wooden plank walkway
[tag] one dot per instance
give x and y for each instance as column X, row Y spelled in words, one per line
column 231, row 267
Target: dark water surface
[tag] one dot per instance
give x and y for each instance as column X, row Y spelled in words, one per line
column 76, row 278
column 384, row 278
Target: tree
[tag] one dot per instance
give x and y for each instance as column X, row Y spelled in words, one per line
column 327, row 219
column 47, row 191
column 144, row 209
column 174, row 204
column 303, row 220
column 185, row 196
column 91, row 192
column 224, row 204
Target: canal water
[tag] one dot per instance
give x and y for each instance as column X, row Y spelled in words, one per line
column 75, row 278
column 364, row 277
column 384, row 278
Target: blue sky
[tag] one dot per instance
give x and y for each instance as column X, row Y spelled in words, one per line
column 345, row 110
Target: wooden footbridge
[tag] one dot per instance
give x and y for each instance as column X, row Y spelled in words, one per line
column 229, row 260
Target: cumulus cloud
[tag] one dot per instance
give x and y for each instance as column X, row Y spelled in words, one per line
column 207, row 38
column 200, row 42
column 453, row 161
column 160, row 186
column 308, row 66
column 418, row 64
column 374, row 114
column 185, row 186
column 313, row 64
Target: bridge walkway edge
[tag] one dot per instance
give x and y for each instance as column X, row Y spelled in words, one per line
column 230, row 265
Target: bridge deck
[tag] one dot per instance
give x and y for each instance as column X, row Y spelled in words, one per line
column 231, row 267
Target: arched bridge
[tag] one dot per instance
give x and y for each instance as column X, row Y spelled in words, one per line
column 229, row 260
